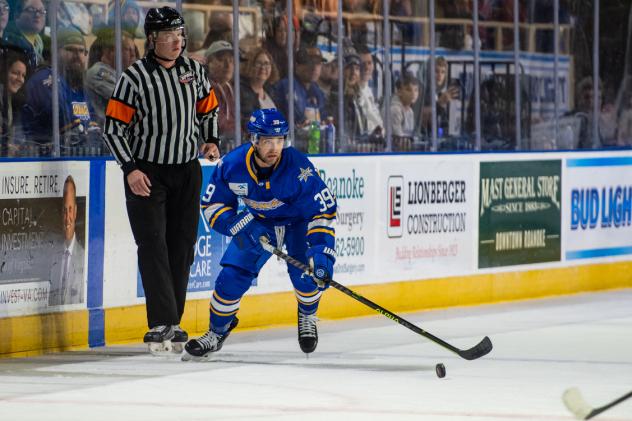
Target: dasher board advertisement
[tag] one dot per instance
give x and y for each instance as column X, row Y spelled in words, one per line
column 43, row 237
column 428, row 222
column 598, row 219
column 519, row 213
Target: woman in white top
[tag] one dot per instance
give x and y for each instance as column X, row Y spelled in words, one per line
column 258, row 75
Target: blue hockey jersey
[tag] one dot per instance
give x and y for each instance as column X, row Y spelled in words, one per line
column 293, row 193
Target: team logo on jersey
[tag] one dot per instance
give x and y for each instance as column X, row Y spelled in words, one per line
column 240, row 189
column 305, row 174
column 187, row 77
column 263, row 206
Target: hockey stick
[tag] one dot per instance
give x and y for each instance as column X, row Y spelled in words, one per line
column 579, row 407
column 483, row 347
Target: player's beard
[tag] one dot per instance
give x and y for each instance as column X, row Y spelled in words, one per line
column 267, row 161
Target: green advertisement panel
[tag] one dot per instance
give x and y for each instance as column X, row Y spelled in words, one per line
column 519, row 213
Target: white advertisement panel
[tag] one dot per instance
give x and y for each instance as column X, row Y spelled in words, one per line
column 120, row 264
column 353, row 182
column 598, row 217
column 428, row 217
column 43, row 236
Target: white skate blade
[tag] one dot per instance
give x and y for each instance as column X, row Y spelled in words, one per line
column 160, row 348
column 205, row 358
column 178, row 347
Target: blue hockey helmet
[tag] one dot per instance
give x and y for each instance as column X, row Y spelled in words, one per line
column 267, row 122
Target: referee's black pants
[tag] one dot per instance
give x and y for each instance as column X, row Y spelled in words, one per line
column 165, row 230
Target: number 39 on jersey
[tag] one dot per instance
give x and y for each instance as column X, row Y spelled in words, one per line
column 325, row 198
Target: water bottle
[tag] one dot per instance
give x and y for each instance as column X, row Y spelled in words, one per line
column 330, row 135
column 313, row 142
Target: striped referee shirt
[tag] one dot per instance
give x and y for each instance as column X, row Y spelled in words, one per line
column 157, row 114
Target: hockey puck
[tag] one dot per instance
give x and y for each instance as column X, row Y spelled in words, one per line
column 440, row 369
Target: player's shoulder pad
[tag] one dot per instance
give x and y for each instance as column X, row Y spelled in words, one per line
column 297, row 166
column 294, row 158
column 236, row 157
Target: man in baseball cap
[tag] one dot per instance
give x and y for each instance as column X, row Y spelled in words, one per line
column 309, row 56
column 75, row 118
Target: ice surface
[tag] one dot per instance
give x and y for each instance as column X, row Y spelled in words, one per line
column 363, row 369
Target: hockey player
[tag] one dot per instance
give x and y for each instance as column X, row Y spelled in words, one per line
column 286, row 201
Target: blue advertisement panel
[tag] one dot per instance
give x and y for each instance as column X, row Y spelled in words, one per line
column 209, row 248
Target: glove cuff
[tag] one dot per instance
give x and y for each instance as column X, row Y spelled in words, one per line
column 241, row 223
column 322, row 249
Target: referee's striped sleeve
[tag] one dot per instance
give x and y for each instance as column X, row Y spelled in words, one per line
column 118, row 115
column 207, row 109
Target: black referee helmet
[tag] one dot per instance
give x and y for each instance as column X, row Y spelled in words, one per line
column 163, row 19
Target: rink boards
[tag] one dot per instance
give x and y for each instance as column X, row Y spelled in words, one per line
column 414, row 232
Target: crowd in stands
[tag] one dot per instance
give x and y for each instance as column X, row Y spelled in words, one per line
column 87, row 72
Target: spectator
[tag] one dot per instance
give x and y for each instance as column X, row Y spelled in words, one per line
column 24, row 31
column 584, row 97
column 75, row 117
column 499, row 11
column 624, row 133
column 355, row 120
column 608, row 119
column 328, row 80
column 410, row 32
column 367, row 102
column 130, row 18
column 220, row 25
column 101, row 75
column 221, row 66
column 11, row 99
column 542, row 11
column 269, row 10
column 358, row 29
column 454, row 36
column 4, row 19
column 403, row 118
column 309, row 99
column 72, row 14
column 444, row 94
column 259, row 74
column 276, row 43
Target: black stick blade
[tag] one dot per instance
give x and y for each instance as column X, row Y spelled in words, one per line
column 483, row 348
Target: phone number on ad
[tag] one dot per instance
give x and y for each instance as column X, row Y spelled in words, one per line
column 349, row 246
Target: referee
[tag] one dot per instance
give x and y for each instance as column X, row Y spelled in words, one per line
column 161, row 106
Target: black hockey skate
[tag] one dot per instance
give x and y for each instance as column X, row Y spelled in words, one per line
column 200, row 349
column 307, row 332
column 180, row 337
column 159, row 339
